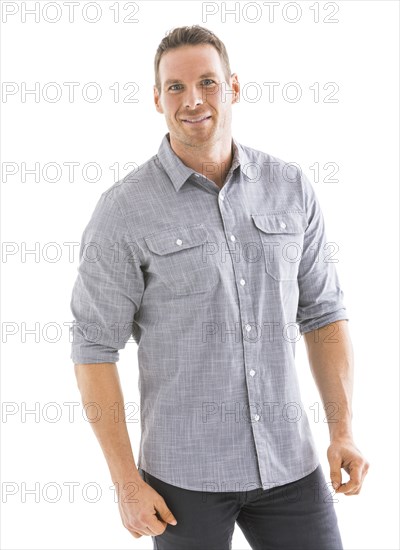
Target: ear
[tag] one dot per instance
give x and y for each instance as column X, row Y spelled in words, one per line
column 236, row 87
column 157, row 100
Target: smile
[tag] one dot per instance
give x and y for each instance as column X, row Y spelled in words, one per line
column 196, row 121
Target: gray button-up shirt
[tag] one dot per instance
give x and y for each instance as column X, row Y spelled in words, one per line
column 215, row 286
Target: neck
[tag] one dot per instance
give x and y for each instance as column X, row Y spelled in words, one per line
column 213, row 161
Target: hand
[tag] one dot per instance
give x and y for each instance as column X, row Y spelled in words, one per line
column 342, row 453
column 143, row 510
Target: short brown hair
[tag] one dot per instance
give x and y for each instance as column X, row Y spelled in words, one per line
column 181, row 36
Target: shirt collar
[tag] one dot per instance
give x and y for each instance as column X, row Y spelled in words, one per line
column 178, row 172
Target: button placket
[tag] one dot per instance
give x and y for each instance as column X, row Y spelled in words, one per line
column 250, row 355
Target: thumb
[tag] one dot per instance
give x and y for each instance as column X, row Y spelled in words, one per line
column 336, row 473
column 166, row 514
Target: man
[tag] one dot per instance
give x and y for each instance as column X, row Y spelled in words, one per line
column 197, row 256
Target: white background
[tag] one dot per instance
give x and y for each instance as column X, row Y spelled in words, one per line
column 359, row 133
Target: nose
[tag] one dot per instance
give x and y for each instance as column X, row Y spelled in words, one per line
column 192, row 98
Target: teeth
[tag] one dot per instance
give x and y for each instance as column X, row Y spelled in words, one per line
column 197, row 119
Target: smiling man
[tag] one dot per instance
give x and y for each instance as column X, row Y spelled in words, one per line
column 197, row 104
column 213, row 257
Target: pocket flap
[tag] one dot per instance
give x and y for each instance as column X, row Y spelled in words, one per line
column 281, row 222
column 176, row 238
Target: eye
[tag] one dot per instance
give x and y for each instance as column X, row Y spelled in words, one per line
column 209, row 82
column 173, row 85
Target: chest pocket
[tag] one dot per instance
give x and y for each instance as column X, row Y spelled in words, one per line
column 179, row 259
column 282, row 237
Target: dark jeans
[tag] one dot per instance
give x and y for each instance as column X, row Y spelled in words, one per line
column 296, row 516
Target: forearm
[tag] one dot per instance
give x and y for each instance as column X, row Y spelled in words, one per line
column 330, row 355
column 99, row 383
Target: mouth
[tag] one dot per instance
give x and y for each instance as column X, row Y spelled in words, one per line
column 196, row 121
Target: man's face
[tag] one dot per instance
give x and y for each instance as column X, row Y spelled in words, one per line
column 193, row 86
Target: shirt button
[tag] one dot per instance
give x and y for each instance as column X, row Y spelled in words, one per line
column 252, row 372
column 233, row 238
column 221, row 197
column 283, row 225
column 248, row 328
column 256, row 417
column 178, row 241
column 242, row 282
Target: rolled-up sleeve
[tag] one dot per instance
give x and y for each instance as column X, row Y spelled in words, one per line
column 320, row 295
column 108, row 289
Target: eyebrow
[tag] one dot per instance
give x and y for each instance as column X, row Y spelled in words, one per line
column 177, row 81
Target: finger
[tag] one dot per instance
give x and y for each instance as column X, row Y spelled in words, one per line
column 354, row 483
column 156, row 529
column 346, row 488
column 145, row 531
column 364, row 473
column 150, row 525
column 335, row 472
column 157, row 526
